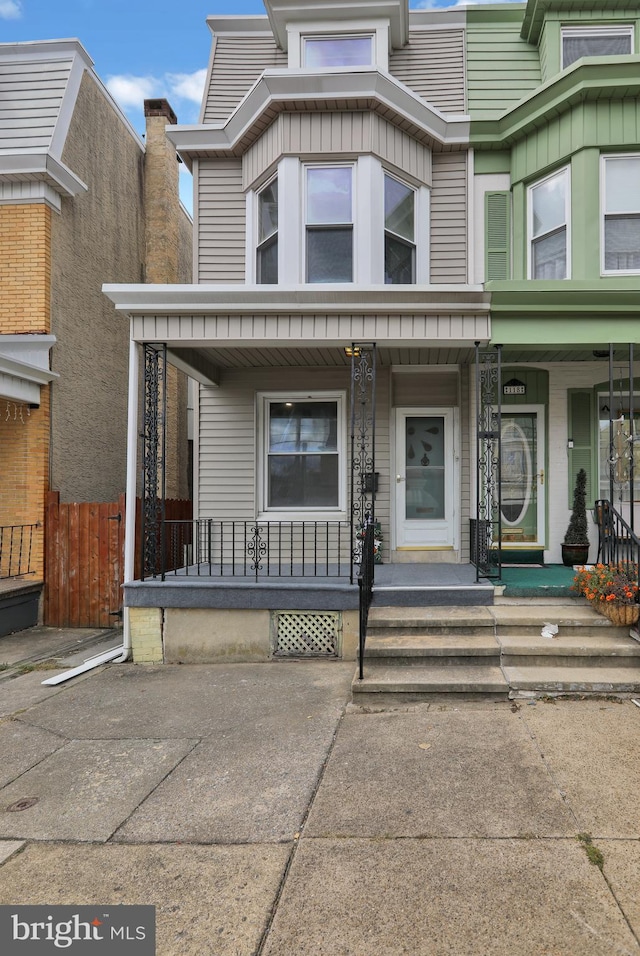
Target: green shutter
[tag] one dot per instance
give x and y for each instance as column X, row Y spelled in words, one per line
column 581, row 434
column 497, row 209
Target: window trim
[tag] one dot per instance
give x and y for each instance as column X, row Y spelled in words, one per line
column 336, row 225
column 402, row 239
column 585, row 30
column 375, row 27
column 264, row 401
column 603, row 213
column 258, row 244
column 563, row 171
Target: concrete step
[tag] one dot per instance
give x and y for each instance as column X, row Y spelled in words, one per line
column 434, row 596
column 569, row 650
column 386, row 621
column 528, row 620
column 403, row 646
column 429, row 681
column 538, row 680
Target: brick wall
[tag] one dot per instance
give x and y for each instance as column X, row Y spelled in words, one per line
column 25, row 306
column 25, row 268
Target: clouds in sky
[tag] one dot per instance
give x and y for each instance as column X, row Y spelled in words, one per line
column 129, row 91
column 10, row 9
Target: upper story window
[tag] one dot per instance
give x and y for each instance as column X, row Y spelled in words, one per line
column 621, row 213
column 267, row 249
column 399, row 232
column 549, row 227
column 329, row 223
column 337, row 51
column 595, row 41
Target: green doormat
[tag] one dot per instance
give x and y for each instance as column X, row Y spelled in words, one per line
column 553, row 580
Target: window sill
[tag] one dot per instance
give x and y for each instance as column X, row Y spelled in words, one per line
column 298, row 516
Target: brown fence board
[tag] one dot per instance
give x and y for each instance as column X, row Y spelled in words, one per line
column 85, row 559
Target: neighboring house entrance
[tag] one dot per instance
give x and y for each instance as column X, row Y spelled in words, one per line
column 426, row 478
column 523, row 476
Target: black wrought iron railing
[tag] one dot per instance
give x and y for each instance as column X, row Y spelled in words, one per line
column 365, row 586
column 206, row 547
column 617, row 542
column 16, row 550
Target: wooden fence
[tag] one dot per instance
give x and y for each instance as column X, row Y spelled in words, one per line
column 84, row 560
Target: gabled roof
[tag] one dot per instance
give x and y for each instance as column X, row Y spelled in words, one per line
column 536, row 9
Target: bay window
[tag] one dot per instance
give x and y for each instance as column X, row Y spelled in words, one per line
column 303, row 452
column 621, row 213
column 399, row 232
column 267, row 250
column 329, row 224
column 549, row 227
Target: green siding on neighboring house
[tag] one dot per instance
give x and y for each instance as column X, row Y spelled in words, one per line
column 581, row 432
column 501, row 67
column 535, row 380
column 605, row 123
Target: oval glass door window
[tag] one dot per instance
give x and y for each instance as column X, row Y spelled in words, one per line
column 517, row 473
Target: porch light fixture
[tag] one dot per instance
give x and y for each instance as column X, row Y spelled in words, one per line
column 352, row 351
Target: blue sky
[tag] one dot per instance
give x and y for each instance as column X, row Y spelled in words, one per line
column 141, row 48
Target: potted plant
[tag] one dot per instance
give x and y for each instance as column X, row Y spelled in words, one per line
column 612, row 589
column 575, row 548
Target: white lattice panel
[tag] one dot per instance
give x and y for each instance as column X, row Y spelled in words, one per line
column 306, row 633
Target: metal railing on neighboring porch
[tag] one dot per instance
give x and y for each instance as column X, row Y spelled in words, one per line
column 205, row 547
column 16, row 550
column 365, row 585
column 617, row 542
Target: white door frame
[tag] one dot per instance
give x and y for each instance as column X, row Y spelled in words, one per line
column 541, row 474
column 427, row 536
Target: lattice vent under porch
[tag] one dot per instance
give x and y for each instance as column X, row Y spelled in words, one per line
column 306, row 633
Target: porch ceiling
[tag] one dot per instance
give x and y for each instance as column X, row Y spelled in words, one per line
column 332, row 357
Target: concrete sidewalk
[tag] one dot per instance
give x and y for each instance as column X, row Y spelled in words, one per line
column 262, row 814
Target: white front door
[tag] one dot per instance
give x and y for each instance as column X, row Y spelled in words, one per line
column 523, row 476
column 426, row 478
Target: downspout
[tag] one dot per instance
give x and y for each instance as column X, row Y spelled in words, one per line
column 120, row 654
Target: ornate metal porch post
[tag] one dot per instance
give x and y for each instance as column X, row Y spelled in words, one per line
column 363, row 433
column 487, row 532
column 154, row 436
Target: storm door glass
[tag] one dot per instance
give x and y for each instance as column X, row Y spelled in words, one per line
column 425, row 468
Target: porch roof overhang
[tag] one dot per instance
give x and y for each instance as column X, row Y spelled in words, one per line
column 201, row 316
column 24, row 367
column 566, row 313
column 302, row 89
column 41, row 167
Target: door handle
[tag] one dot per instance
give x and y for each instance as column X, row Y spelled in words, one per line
column 399, row 478
column 542, row 476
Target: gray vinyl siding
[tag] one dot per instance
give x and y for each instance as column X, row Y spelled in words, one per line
column 432, row 65
column 425, row 388
column 449, row 218
column 322, row 134
column 228, row 441
column 221, row 221
column 30, row 98
column 238, row 61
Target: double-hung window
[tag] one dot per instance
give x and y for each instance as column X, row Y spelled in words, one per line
column 267, row 250
column 303, row 445
column 595, row 41
column 337, row 51
column 329, row 223
column 549, row 227
column 399, row 232
column 621, row 213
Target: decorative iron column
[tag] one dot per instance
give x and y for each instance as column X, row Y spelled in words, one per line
column 486, row 544
column 363, row 433
column 154, row 437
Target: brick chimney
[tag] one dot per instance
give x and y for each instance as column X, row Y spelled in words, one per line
column 161, row 195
